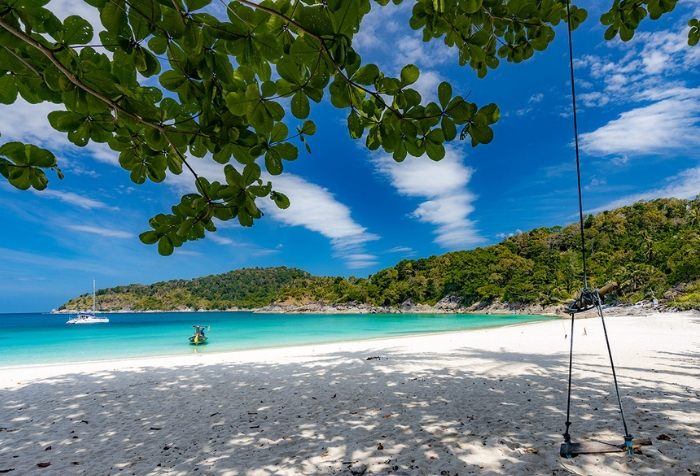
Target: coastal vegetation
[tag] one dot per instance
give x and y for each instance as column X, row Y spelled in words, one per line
column 651, row 248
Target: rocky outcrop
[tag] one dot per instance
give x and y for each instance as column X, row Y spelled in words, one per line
column 447, row 305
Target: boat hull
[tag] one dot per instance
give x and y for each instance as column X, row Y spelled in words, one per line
column 87, row 319
column 198, row 340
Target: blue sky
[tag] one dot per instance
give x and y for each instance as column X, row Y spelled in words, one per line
column 355, row 212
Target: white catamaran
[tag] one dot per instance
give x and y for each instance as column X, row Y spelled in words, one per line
column 87, row 318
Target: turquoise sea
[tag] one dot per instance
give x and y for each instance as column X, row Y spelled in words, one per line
column 27, row 339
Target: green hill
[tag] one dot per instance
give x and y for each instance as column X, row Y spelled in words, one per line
column 651, row 248
column 242, row 288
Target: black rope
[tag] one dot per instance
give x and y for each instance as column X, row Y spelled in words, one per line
column 588, row 298
column 628, row 437
column 566, row 435
column 578, row 162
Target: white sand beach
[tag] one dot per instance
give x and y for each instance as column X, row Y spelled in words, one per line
column 474, row 402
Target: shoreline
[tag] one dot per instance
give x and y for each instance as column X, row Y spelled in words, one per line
column 486, row 401
column 445, row 306
column 265, row 348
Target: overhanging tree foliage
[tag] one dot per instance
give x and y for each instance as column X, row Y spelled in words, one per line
column 222, row 82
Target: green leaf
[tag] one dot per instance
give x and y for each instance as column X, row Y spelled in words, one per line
column 193, row 5
column 251, row 173
column 233, row 177
column 449, row 129
column 273, row 164
column 149, row 237
column 280, row 200
column 444, row 94
column 279, row 132
column 76, row 31
column 308, row 128
column 165, row 246
column 113, row 16
column 480, row 133
column 300, row 105
column 8, row 89
column 289, row 71
column 366, row 75
column 356, row 125
column 314, row 19
column 286, row 151
column 409, row 74
column 471, row 6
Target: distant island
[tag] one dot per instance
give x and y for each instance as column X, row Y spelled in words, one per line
column 652, row 248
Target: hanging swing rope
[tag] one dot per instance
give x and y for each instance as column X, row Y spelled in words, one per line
column 588, row 298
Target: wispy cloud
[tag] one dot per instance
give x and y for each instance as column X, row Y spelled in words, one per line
column 220, row 240
column 316, row 209
column 444, row 185
column 400, row 249
column 671, row 124
column 72, row 198
column 685, row 185
column 100, row 231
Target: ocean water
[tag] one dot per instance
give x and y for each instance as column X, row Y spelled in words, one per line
column 27, row 339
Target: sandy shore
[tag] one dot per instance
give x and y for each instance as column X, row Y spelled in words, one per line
column 474, row 402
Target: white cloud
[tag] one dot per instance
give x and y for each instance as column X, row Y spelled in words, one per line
column 650, row 61
column 420, row 176
column 685, row 185
column 670, row 124
column 595, row 182
column 444, row 185
column 399, row 249
column 536, row 97
column 220, row 240
column 312, row 207
column 74, row 199
column 316, row 209
column 100, row 231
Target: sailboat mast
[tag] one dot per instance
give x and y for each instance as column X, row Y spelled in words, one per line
column 93, row 296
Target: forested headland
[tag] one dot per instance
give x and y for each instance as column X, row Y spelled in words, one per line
column 652, row 249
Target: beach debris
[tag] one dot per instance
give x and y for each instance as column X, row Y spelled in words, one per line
column 380, row 446
column 75, row 463
column 256, row 426
column 215, row 413
column 324, row 455
column 155, row 428
column 664, row 437
column 48, row 448
column 334, row 395
column 387, row 416
column 43, row 465
column 531, row 450
column 84, row 421
column 374, row 358
column 6, row 470
column 167, row 447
